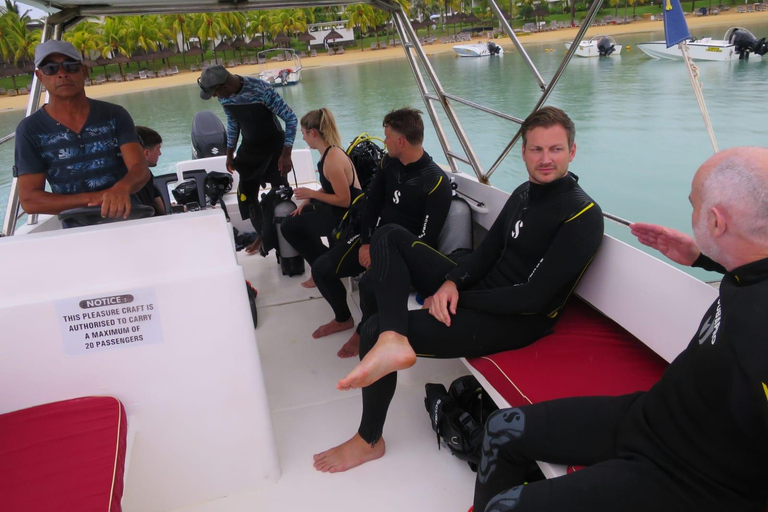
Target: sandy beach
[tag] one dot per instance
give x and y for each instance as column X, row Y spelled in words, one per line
column 354, row 56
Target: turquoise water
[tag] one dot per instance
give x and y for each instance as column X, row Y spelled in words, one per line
column 640, row 135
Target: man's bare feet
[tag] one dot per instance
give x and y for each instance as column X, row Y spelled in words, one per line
column 348, row 455
column 351, row 348
column 391, row 353
column 309, row 283
column 332, row 327
column 254, row 247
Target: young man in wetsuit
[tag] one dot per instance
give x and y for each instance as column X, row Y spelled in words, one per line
column 696, row 441
column 409, row 190
column 151, row 142
column 252, row 107
column 505, row 295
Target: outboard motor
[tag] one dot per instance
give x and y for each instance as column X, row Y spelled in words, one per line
column 291, row 263
column 209, row 137
column 493, row 48
column 605, row 47
column 744, row 42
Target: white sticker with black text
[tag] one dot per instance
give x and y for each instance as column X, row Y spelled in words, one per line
column 103, row 322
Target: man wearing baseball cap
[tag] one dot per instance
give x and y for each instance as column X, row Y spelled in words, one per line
column 87, row 149
column 252, row 107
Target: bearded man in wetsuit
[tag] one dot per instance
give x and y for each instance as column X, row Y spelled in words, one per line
column 697, row 440
column 507, row 294
column 252, row 107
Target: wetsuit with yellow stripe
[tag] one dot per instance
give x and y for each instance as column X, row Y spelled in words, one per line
column 511, row 288
column 416, row 196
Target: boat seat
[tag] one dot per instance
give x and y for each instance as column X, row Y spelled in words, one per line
column 587, row 354
column 161, row 186
column 66, row 456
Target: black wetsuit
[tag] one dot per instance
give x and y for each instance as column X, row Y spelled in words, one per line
column 697, row 441
column 511, row 289
column 257, row 157
column 416, row 196
column 317, row 220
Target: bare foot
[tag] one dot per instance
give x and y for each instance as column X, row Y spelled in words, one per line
column 392, row 352
column 351, row 348
column 309, row 283
column 254, row 247
column 332, row 327
column 348, row 455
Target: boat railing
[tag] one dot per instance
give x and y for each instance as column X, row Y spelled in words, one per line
column 433, row 92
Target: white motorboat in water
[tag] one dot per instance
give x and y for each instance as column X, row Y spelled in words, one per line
column 598, row 46
column 737, row 43
column 479, row 49
column 289, row 74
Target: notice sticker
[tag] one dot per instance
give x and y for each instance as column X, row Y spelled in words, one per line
column 103, row 322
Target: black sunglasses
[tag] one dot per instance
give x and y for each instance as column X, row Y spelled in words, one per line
column 208, row 90
column 70, row 66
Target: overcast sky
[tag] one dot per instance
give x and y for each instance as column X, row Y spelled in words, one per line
column 34, row 13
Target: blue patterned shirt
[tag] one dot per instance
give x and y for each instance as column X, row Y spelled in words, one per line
column 72, row 162
column 256, row 90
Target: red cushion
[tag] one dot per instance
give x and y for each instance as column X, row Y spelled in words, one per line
column 587, row 355
column 65, row 456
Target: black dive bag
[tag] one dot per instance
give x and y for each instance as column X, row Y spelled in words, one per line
column 458, row 416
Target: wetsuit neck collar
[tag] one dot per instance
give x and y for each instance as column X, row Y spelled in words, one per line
column 566, row 182
column 751, row 272
column 418, row 164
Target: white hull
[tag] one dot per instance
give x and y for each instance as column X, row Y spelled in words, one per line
column 589, row 48
column 474, row 50
column 278, row 79
column 704, row 49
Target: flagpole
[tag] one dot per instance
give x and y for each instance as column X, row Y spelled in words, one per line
column 693, row 74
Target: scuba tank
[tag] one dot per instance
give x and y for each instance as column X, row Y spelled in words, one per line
column 457, row 230
column 291, row 262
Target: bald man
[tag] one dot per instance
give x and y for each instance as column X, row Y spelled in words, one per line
column 698, row 440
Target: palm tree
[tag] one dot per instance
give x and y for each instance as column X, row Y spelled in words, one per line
column 86, row 38
column 289, row 21
column 176, row 23
column 361, row 17
column 5, row 43
column 259, row 22
column 211, row 26
column 21, row 40
column 114, row 32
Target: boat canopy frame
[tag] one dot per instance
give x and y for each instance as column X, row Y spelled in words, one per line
column 67, row 13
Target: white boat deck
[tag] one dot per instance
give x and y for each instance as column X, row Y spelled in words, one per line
column 310, row 415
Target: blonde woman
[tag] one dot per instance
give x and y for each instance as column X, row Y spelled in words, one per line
column 321, row 210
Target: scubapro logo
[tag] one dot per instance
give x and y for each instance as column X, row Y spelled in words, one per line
column 396, row 198
column 710, row 326
column 518, row 227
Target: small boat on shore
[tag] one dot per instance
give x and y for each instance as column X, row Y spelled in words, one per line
column 479, row 49
column 598, row 46
column 737, row 44
column 288, row 75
